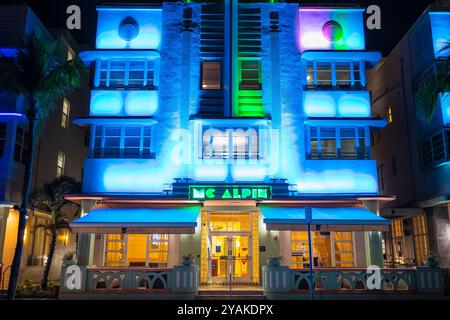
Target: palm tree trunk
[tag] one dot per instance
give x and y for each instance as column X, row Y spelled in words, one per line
column 15, row 267
column 48, row 264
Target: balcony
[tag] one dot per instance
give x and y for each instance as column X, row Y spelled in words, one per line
column 281, row 282
column 122, row 103
column 179, row 282
column 339, row 177
column 336, row 104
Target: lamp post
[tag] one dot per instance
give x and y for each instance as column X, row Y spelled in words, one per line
column 308, row 218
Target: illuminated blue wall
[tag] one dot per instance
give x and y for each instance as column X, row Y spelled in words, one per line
column 123, row 103
column 142, row 31
column 350, row 104
column 331, row 29
column 178, row 94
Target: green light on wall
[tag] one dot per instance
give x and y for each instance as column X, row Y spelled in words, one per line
column 230, row 192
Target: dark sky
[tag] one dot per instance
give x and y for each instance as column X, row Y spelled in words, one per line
column 397, row 17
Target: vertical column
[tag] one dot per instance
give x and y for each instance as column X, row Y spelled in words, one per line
column 186, row 67
column 85, row 241
column 373, row 242
column 3, row 218
column 227, row 60
column 275, row 70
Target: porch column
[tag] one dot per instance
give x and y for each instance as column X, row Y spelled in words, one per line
column 373, row 242
column 85, row 247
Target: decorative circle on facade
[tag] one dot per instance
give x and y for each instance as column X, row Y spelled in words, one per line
column 332, row 31
column 128, row 29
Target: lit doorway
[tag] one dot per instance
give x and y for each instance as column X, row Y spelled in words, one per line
column 230, row 248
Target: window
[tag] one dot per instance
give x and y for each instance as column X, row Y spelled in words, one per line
column 250, row 75
column 65, row 113
column 2, row 138
column 435, row 150
column 21, row 146
column 343, row 250
column 115, row 250
column 60, row 163
column 211, row 75
column 122, row 142
column 420, row 239
column 389, row 115
column 39, row 240
column 333, row 74
column 321, row 244
column 397, row 239
column 237, row 143
column 137, row 250
column 338, row 143
column 127, row 74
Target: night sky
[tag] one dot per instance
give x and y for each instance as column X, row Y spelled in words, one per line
column 397, row 17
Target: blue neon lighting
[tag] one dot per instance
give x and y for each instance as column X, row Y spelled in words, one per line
column 149, row 28
column 440, row 29
column 329, row 104
column 445, row 107
column 339, row 176
column 141, row 217
column 323, row 216
column 124, row 103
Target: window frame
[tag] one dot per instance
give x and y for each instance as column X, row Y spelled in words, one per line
column 145, row 142
column 220, row 62
column 65, row 113
column 124, row 262
column 22, row 145
column 258, row 70
column 104, row 82
column 314, row 133
column 229, row 134
column 60, row 168
column 355, row 71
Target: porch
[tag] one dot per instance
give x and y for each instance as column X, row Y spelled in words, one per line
column 352, row 283
column 182, row 283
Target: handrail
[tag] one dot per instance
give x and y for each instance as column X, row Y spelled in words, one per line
column 128, row 269
column 354, row 269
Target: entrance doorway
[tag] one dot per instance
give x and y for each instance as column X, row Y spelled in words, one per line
column 230, row 258
column 230, row 248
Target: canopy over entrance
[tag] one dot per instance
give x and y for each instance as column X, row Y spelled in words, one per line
column 138, row 220
column 323, row 219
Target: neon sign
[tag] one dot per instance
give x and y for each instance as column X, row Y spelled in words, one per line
column 226, row 192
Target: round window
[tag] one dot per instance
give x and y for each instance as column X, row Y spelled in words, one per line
column 332, row 31
column 128, row 29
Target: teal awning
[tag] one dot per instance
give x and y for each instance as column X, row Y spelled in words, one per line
column 138, row 220
column 324, row 219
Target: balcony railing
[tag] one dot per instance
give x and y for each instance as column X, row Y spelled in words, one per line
column 179, row 279
column 420, row 280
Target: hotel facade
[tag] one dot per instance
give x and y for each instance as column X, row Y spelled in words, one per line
column 222, row 131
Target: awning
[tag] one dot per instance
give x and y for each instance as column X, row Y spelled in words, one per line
column 323, row 219
column 181, row 220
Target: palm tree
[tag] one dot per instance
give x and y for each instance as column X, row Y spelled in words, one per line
column 41, row 74
column 51, row 199
column 428, row 94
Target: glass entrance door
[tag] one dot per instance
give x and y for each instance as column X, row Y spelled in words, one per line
column 230, row 257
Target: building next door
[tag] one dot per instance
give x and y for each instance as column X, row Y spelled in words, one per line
column 230, row 250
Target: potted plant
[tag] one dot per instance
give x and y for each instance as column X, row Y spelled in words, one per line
column 431, row 261
column 187, row 260
column 69, row 258
column 275, row 261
